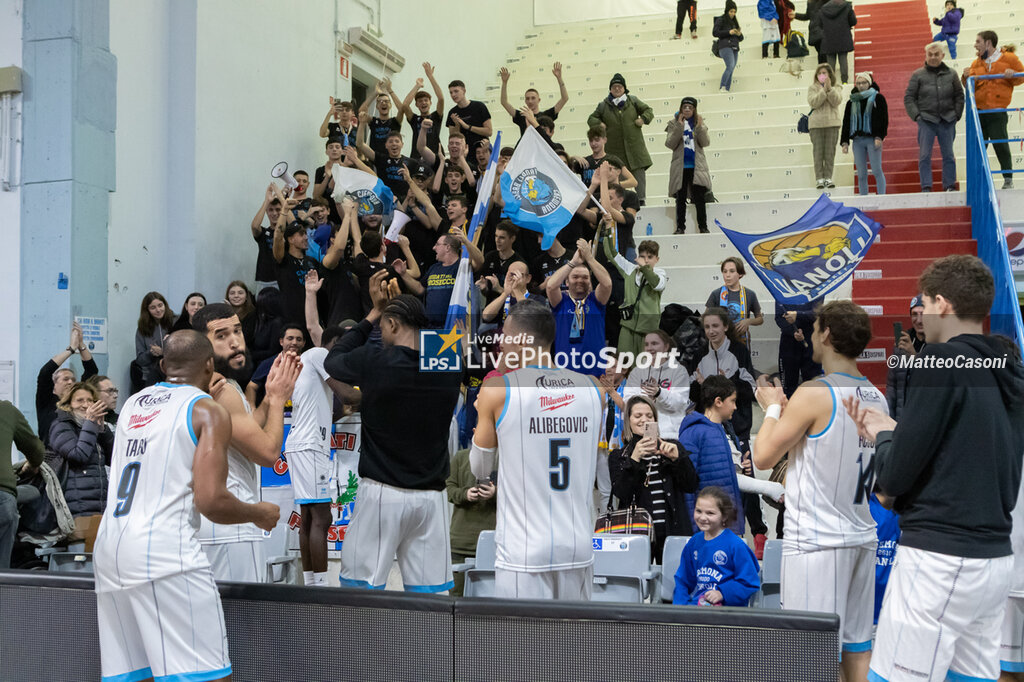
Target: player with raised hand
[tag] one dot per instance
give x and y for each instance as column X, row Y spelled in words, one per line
column 236, row 551
column 157, row 603
column 547, row 422
column 828, row 552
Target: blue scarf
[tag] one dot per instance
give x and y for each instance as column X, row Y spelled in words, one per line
column 861, row 106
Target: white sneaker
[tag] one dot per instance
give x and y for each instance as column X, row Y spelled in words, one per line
column 821, row 184
column 829, row 184
column 723, row 89
column 1007, row 184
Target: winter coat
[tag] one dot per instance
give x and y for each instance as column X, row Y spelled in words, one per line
column 674, row 141
column 811, row 15
column 836, row 18
column 879, row 120
column 766, row 9
column 949, row 24
column 712, row 458
column 723, row 25
column 934, row 94
column 824, row 106
column 86, row 452
column 995, row 93
column 679, row 478
column 625, row 138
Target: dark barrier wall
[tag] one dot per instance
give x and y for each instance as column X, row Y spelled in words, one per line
column 48, row 632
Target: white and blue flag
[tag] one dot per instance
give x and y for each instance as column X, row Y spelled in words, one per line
column 461, row 303
column 372, row 196
column 539, row 190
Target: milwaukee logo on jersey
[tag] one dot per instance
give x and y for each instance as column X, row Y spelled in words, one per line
column 138, row 421
column 547, row 404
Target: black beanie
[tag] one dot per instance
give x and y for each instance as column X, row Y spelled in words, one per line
column 617, row 78
column 688, row 100
column 730, row 4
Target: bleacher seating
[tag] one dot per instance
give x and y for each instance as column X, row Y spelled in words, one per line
column 670, row 556
column 771, row 576
column 622, row 568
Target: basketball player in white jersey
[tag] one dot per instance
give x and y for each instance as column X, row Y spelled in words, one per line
column 236, row 552
column 158, row 606
column 547, row 422
column 828, row 552
column 307, row 450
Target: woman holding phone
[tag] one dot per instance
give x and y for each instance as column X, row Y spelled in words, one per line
column 653, row 473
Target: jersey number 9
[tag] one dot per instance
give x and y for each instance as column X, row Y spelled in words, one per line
column 559, row 464
column 126, row 488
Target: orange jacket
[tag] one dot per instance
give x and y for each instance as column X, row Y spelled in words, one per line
column 996, row 93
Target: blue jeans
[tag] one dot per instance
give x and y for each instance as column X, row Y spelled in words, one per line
column 926, row 135
column 8, row 526
column 950, row 42
column 729, row 56
column 864, row 149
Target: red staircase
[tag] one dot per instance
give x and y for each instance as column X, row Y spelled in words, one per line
column 890, row 39
column 912, row 238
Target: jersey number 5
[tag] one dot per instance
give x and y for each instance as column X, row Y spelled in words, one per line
column 126, row 488
column 559, row 464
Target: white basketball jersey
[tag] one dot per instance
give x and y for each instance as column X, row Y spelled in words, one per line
column 548, row 435
column 311, row 406
column 243, row 483
column 831, row 474
column 149, row 525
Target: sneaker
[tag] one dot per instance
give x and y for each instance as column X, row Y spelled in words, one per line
column 704, row 230
column 723, row 89
column 926, row 189
column 829, row 184
column 693, row 34
column 1008, row 184
column 821, row 184
column 677, row 36
column 759, row 541
column 949, row 189
column 680, row 230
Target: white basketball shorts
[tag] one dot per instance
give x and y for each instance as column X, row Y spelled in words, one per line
column 388, row 522
column 312, row 476
column 169, row 628
column 839, row 580
column 575, row 584
column 240, row 562
column 1011, row 650
column 941, row 616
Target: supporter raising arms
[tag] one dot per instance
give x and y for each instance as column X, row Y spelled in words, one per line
column 532, row 98
column 53, row 381
column 471, row 118
column 423, row 112
column 383, row 124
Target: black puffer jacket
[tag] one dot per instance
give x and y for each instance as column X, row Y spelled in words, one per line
column 814, row 29
column 679, row 476
column 85, row 450
column 836, row 18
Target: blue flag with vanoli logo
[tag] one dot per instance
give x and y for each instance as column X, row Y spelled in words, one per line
column 811, row 257
column 540, row 192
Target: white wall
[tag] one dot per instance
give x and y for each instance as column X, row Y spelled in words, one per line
column 10, row 202
column 211, row 95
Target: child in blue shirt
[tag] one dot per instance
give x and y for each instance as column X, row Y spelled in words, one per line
column 887, row 527
column 716, row 568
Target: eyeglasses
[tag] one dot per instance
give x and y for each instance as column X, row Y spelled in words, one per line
column 111, row 391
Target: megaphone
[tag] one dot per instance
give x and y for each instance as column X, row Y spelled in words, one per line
column 281, row 171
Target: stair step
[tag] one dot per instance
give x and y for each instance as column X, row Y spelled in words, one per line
column 904, row 233
column 894, row 286
column 896, row 267
column 921, row 248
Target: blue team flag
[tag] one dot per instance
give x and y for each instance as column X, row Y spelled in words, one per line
column 806, row 260
column 461, row 303
column 372, row 196
column 539, row 190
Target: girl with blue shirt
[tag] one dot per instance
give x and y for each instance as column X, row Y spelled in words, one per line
column 716, row 568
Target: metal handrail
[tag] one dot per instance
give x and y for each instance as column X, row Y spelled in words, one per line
column 987, row 223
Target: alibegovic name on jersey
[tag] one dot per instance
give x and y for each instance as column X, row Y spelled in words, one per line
column 559, row 424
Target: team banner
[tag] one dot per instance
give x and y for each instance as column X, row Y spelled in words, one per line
column 539, row 190
column 460, row 304
column 811, row 257
column 372, row 196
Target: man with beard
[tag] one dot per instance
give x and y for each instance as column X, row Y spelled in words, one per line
column 236, row 551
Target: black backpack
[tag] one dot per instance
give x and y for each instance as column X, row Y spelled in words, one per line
column 686, row 330
column 796, row 45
